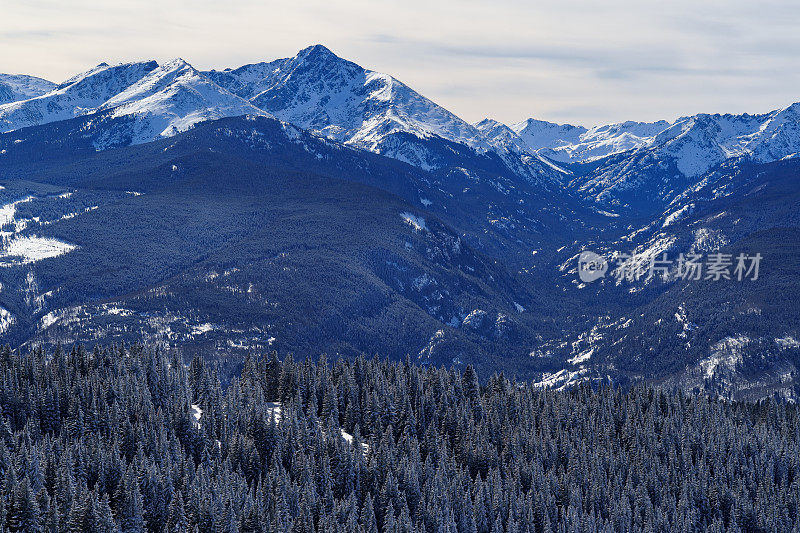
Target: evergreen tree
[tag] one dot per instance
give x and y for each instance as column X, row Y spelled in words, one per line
column 23, row 512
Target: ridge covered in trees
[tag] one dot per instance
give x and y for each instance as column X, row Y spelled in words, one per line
column 131, row 439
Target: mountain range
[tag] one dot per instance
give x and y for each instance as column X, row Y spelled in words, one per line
column 311, row 205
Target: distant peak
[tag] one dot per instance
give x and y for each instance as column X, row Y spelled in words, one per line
column 175, row 65
column 794, row 108
column 492, row 124
column 175, row 62
column 317, row 51
column 105, row 67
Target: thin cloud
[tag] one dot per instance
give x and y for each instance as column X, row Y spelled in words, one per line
column 611, row 61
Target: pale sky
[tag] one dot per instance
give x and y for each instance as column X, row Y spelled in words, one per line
column 582, row 62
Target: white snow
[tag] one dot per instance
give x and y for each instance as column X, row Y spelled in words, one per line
column 49, row 319
column 23, row 87
column 274, row 411
column 682, row 318
column 725, row 355
column 475, row 318
column 31, row 248
column 344, row 102
column 582, row 357
column 200, row 329
column 162, row 99
column 172, row 98
column 787, row 342
column 197, row 414
column 118, row 311
column 78, row 96
column 8, row 212
column 418, row 223
column 695, row 143
column 566, row 143
column 678, row 215
column 560, row 380
column 6, row 320
column 349, row 439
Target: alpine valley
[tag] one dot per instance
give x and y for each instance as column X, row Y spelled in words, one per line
column 308, row 205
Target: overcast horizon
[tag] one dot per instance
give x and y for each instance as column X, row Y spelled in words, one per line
column 508, row 61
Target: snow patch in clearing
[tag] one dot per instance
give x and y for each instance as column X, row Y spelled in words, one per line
column 560, row 380
column 119, row 311
column 725, row 355
column 31, row 248
column 418, row 223
column 197, row 413
column 6, row 319
column 49, row 319
column 349, row 438
column 678, row 215
column 581, row 357
column 202, row 328
column 8, row 212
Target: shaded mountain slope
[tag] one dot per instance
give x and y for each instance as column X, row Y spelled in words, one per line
column 217, row 222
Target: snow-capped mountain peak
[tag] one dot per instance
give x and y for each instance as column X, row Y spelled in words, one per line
column 334, row 97
column 160, row 99
column 172, row 98
column 15, row 87
column 80, row 95
column 318, row 90
column 694, row 144
column 331, row 96
column 499, row 133
column 538, row 134
column 567, row 143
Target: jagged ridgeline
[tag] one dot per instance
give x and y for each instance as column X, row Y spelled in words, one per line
column 134, row 440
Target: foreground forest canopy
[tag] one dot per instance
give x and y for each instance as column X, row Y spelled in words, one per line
column 135, row 440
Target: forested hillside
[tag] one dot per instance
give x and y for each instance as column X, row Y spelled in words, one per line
column 133, row 440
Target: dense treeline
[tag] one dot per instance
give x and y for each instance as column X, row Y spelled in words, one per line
column 133, row 440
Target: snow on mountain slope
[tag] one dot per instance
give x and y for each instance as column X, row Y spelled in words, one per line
column 315, row 90
column 15, row 87
column 694, row 144
column 701, row 142
column 77, row 96
column 498, row 133
column 322, row 92
column 688, row 152
column 504, row 138
column 151, row 100
column 778, row 137
column 567, row 144
column 538, row 134
column 172, row 98
column 249, row 80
